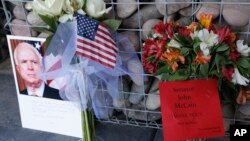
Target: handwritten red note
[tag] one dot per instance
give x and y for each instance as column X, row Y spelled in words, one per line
column 190, row 109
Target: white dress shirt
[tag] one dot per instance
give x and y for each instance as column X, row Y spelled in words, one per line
column 38, row 92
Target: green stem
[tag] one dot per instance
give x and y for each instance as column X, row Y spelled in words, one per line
column 88, row 130
column 87, row 126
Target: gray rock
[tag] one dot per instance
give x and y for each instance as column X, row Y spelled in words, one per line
column 121, row 100
column 184, row 21
column 138, row 112
column 19, row 12
column 236, row 15
column 153, row 99
column 17, row 2
column 43, row 35
column 146, row 0
column 189, row 11
column 213, row 9
column 170, row 17
column 147, row 12
column 107, row 1
column 138, row 92
column 171, row 7
column 134, row 39
column 235, row 1
column 135, row 67
column 126, row 8
column 243, row 113
column 245, row 108
column 20, row 28
column 28, row 6
column 211, row 1
column 147, row 28
column 34, row 19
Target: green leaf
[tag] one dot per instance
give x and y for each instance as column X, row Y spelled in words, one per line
column 151, row 58
column 50, row 21
column 48, row 40
column 243, row 62
column 180, row 74
column 182, row 40
column 162, row 70
column 113, row 24
column 204, row 70
column 165, row 77
column 219, row 61
column 214, row 73
column 43, row 29
column 196, row 47
column 184, row 51
column 222, row 48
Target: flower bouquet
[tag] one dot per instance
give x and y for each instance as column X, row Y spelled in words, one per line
column 198, row 51
column 74, row 27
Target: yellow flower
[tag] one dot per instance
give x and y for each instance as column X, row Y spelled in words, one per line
column 206, row 20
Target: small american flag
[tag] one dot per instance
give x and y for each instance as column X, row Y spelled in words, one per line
column 94, row 42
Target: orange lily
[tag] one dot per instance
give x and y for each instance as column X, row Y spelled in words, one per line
column 206, row 20
column 192, row 26
column 201, row 59
column 172, row 57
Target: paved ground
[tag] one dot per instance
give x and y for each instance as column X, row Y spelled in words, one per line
column 11, row 130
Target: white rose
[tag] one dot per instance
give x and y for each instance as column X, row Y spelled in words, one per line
column 96, row 8
column 48, row 7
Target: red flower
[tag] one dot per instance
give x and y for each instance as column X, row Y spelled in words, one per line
column 152, row 48
column 223, row 33
column 164, row 30
column 149, row 67
column 234, row 55
column 227, row 72
column 184, row 32
column 169, row 29
column 159, row 28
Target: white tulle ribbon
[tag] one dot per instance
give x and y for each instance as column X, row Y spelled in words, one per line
column 79, row 79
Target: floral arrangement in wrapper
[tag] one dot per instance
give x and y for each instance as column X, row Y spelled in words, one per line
column 54, row 12
column 198, row 51
column 82, row 53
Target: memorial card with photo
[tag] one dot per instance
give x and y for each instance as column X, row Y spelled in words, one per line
column 41, row 105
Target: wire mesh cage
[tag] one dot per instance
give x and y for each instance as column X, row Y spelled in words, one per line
column 138, row 17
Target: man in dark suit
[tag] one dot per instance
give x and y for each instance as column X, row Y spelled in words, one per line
column 29, row 66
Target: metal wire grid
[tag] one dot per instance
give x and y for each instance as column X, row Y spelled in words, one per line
column 122, row 117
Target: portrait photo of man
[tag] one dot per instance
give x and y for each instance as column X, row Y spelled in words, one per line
column 29, row 66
